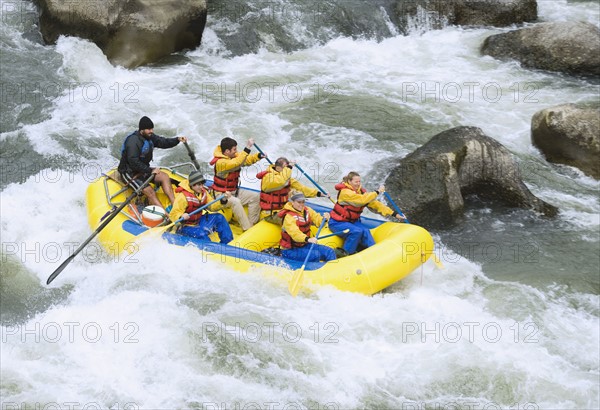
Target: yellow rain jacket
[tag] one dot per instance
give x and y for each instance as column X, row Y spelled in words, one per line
column 290, row 222
column 181, row 204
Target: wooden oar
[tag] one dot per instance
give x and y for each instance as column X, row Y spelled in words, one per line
column 109, row 218
column 294, row 285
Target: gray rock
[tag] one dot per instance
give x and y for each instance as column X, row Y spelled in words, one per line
column 569, row 134
column 430, row 184
column 130, row 32
column 436, row 13
column 568, row 47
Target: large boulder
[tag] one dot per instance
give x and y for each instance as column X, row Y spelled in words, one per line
column 569, row 134
column 130, row 32
column 430, row 184
column 569, row 47
column 436, row 13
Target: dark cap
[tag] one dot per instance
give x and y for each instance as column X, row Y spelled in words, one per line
column 196, row 177
column 146, row 123
column 298, row 196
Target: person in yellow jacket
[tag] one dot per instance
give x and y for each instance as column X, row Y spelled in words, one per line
column 351, row 201
column 227, row 163
column 296, row 234
column 276, row 182
column 191, row 195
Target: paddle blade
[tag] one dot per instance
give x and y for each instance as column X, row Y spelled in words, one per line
column 59, row 269
column 294, row 286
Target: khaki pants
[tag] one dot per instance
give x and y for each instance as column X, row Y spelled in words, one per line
column 271, row 216
column 236, row 203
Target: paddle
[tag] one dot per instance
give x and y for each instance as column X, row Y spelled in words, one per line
column 294, row 285
column 396, row 208
column 314, row 182
column 260, row 151
column 301, row 170
column 333, row 234
column 192, row 156
column 110, row 217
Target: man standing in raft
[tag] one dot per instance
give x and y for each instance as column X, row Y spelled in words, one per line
column 351, row 200
column 227, row 163
column 136, row 154
column 295, row 232
column 275, row 185
column 191, row 195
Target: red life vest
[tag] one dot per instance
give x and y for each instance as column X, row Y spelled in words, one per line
column 303, row 222
column 346, row 213
column 275, row 199
column 193, row 203
column 225, row 181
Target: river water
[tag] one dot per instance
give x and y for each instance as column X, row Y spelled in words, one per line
column 511, row 322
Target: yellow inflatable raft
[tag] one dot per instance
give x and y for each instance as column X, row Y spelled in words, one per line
column 400, row 248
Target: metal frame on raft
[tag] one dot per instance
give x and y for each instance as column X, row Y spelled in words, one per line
column 137, row 218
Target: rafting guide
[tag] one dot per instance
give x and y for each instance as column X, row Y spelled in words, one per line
column 136, row 155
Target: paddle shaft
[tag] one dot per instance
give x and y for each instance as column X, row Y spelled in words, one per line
column 98, row 229
column 333, row 234
column 312, row 245
column 396, row 208
column 203, row 207
column 301, row 170
column 294, row 285
column 260, row 151
column 192, row 156
column 314, row 182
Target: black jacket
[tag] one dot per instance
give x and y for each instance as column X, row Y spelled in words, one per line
column 136, row 152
